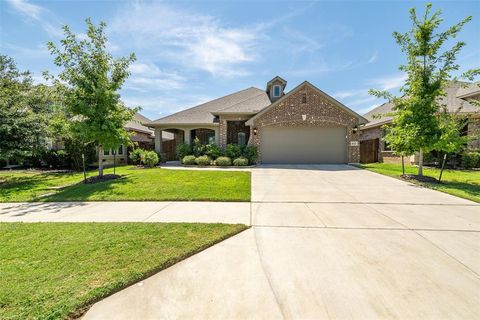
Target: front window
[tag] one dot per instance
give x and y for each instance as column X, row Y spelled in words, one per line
column 276, row 91
column 106, row 152
column 242, row 137
column 120, row 150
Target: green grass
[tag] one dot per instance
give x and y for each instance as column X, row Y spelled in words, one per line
column 56, row 270
column 136, row 184
column 460, row 183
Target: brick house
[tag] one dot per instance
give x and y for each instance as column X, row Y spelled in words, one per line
column 304, row 125
column 457, row 100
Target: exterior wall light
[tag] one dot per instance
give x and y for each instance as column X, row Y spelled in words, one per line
column 355, row 129
column 255, row 130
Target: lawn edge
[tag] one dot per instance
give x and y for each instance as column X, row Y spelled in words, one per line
column 77, row 314
column 417, row 183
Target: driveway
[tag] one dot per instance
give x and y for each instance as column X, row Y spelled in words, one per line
column 326, row 242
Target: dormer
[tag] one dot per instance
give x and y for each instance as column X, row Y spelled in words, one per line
column 275, row 88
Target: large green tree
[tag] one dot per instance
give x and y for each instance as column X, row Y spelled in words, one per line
column 24, row 108
column 91, row 78
column 416, row 124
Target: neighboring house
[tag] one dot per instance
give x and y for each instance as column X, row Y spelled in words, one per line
column 458, row 94
column 305, row 125
column 142, row 137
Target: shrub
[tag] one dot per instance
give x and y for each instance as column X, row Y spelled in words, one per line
column 183, row 150
column 240, row 162
column 198, row 148
column 233, row 151
column 203, row 161
column 223, row 161
column 188, row 160
column 150, row 158
column 213, row 150
column 471, row 160
column 137, row 155
column 250, row 152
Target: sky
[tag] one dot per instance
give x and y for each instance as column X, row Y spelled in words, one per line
column 189, row 52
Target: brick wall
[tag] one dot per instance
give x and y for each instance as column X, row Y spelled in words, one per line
column 319, row 112
column 223, row 134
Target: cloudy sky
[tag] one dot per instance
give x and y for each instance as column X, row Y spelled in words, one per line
column 190, row 52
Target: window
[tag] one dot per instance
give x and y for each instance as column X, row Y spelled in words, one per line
column 276, row 91
column 106, row 152
column 120, row 150
column 242, row 137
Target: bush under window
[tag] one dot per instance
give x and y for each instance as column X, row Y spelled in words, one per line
column 151, row 158
column 223, row 161
column 240, row 162
column 203, row 161
column 188, row 160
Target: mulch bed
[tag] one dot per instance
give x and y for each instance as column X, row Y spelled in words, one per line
column 105, row 177
column 419, row 178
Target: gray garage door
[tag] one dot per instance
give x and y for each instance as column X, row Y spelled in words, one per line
column 303, row 145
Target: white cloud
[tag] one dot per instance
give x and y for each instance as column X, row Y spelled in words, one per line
column 374, row 57
column 37, row 13
column 147, row 77
column 389, row 82
column 192, row 39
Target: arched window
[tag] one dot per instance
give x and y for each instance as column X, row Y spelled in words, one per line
column 242, row 137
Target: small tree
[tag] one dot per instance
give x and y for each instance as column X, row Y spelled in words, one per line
column 415, row 124
column 91, row 78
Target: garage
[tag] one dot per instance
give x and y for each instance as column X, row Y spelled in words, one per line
column 303, row 145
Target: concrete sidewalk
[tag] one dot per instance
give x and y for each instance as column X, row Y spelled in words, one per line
column 126, row 211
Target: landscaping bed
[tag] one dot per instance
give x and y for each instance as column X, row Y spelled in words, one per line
column 57, row 270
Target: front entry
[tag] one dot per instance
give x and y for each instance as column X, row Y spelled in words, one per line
column 303, row 145
column 369, row 151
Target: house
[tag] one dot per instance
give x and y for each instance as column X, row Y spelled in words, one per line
column 142, row 137
column 458, row 98
column 304, row 125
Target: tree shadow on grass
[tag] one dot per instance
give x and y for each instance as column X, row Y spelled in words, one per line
column 85, row 192
column 471, row 189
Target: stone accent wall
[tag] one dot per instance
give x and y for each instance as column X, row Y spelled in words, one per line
column 223, row 126
column 318, row 111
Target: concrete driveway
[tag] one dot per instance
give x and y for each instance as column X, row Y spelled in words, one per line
column 326, row 242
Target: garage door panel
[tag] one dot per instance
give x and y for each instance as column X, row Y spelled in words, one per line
column 303, row 145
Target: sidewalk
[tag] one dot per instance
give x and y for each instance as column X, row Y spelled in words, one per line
column 126, row 211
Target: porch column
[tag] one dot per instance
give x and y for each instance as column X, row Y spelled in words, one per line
column 217, row 135
column 187, row 135
column 158, row 140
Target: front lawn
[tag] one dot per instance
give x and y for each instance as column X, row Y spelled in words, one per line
column 136, row 184
column 460, row 183
column 56, row 270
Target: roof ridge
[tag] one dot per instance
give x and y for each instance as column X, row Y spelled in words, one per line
column 199, row 105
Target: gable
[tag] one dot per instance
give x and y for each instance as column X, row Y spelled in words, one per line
column 306, row 101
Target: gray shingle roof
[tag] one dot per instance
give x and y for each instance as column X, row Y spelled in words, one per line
column 136, row 124
column 376, row 116
column 246, row 100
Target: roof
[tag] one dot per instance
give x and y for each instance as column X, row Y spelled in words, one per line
column 306, row 83
column 249, row 100
column 472, row 89
column 136, row 124
column 451, row 100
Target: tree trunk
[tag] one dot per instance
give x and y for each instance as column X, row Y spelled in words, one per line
column 443, row 167
column 420, row 163
column 100, row 162
column 403, row 166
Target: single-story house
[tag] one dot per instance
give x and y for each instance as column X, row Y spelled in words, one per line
column 142, row 136
column 457, row 100
column 304, row 125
